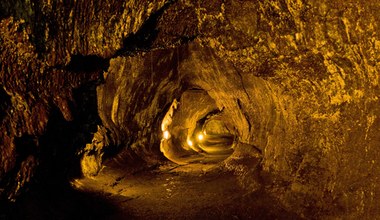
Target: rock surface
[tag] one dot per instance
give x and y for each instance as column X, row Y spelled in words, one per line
column 298, row 83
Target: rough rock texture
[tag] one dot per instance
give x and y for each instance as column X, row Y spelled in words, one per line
column 30, row 92
column 297, row 80
column 44, row 49
column 65, row 28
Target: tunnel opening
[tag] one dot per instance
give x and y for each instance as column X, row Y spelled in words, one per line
column 194, row 130
column 214, row 137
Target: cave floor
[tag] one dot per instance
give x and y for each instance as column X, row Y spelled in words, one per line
column 165, row 191
column 169, row 191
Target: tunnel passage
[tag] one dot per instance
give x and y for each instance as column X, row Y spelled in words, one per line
column 194, row 130
column 278, row 121
column 171, row 104
column 299, row 81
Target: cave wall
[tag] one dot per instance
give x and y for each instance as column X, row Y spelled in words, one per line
column 135, row 97
column 49, row 49
column 298, row 83
column 298, row 80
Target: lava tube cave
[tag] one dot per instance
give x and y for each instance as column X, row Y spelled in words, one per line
column 223, row 109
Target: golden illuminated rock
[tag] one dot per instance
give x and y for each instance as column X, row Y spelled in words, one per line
column 284, row 93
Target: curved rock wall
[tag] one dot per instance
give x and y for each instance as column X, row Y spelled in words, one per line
column 135, row 97
column 298, row 81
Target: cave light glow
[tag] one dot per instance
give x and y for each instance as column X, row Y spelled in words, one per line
column 200, row 137
column 189, row 142
column 166, row 135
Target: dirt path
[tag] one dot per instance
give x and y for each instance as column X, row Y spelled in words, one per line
column 183, row 192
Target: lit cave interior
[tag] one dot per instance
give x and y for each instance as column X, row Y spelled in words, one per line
column 179, row 109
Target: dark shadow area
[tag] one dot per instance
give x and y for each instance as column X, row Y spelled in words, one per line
column 59, row 202
column 90, row 63
column 5, row 102
column 63, row 140
column 58, row 159
column 25, row 146
column 50, row 195
column 19, row 9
